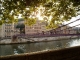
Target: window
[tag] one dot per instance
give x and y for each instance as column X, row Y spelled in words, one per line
column 5, row 30
column 28, row 30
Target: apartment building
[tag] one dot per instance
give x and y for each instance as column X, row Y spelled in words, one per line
column 8, row 30
column 38, row 27
column 68, row 30
column 63, row 30
column 11, row 30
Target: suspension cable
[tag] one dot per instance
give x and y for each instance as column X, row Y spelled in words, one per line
column 68, row 23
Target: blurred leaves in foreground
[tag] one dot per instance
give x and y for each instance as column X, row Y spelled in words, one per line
column 53, row 11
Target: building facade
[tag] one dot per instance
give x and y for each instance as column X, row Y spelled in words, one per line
column 8, row 30
column 37, row 28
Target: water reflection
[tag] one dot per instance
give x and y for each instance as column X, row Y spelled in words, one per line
column 75, row 43
column 33, row 47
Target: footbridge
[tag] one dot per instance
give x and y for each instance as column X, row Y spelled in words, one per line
column 63, row 30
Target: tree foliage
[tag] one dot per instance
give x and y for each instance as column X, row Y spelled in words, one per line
column 58, row 10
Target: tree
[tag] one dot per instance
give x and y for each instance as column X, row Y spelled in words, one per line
column 55, row 11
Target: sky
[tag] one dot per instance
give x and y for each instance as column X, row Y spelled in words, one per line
column 73, row 19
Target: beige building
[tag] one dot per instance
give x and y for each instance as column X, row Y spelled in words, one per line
column 68, row 30
column 38, row 27
column 63, row 30
column 8, row 30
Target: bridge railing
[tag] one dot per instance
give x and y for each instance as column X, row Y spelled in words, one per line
column 55, row 32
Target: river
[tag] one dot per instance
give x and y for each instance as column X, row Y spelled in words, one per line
column 40, row 46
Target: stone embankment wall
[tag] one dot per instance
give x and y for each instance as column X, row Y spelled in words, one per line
column 52, row 38
column 32, row 40
column 63, row 54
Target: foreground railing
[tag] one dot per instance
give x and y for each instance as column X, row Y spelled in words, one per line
column 72, row 53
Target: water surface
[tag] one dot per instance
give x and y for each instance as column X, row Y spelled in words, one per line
column 40, row 46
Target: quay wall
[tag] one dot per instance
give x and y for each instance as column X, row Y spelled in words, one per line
column 32, row 40
column 52, row 38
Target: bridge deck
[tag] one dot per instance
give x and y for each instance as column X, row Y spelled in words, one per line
column 47, row 35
